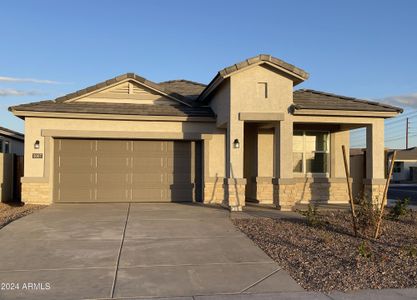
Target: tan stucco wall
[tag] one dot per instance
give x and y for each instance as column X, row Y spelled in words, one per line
column 220, row 103
column 245, row 97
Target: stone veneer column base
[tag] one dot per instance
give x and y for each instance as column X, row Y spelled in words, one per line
column 234, row 193
column 214, row 191
column 264, row 190
column 36, row 193
column 284, row 193
column 374, row 190
column 321, row 190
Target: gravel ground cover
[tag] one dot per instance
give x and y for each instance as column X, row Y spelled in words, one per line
column 11, row 212
column 327, row 256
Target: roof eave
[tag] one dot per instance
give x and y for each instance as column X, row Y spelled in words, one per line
column 341, row 112
column 104, row 116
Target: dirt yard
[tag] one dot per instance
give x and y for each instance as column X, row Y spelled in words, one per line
column 11, row 212
column 328, row 257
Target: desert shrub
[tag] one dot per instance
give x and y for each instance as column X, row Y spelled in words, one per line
column 400, row 209
column 367, row 215
column 364, row 249
column 410, row 250
column 312, row 217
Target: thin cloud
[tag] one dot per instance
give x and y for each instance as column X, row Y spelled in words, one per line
column 28, row 80
column 17, row 93
column 409, row 100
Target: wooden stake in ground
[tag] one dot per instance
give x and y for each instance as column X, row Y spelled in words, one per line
column 384, row 196
column 352, row 205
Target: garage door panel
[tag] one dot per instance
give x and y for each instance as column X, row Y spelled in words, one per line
column 80, row 179
column 113, row 147
column 108, row 165
column 141, row 164
column 74, row 195
column 121, row 170
column 112, row 195
column 148, row 147
column 75, row 163
column 114, row 180
column 147, row 179
column 148, row 194
column 71, row 147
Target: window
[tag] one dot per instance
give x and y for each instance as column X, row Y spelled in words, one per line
column 310, row 152
column 6, row 146
column 398, row 166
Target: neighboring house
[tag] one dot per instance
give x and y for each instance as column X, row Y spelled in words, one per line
column 11, row 141
column 405, row 165
column 11, row 145
column 246, row 136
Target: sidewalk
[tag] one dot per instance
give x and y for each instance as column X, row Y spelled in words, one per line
column 387, row 294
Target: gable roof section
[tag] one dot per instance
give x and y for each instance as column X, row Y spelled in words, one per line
column 186, row 88
column 118, row 79
column 114, row 109
column 298, row 74
column 311, row 99
column 11, row 134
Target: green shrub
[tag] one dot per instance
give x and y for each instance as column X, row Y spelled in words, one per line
column 400, row 209
column 364, row 249
column 313, row 219
column 367, row 215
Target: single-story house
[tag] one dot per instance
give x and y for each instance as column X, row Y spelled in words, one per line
column 246, row 136
column 405, row 165
column 11, row 141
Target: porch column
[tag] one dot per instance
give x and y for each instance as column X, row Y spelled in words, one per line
column 284, row 184
column 375, row 167
column 234, row 183
column 337, row 189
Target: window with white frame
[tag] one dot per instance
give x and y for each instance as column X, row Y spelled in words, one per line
column 311, row 152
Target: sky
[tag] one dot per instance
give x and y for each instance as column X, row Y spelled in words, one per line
column 364, row 49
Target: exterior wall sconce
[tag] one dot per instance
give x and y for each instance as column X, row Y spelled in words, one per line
column 37, row 144
column 236, row 144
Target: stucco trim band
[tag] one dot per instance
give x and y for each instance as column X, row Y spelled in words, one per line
column 126, row 134
column 254, row 116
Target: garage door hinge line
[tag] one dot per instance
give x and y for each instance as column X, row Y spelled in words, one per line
column 119, row 253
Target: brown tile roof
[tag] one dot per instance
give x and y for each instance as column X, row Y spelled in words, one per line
column 311, row 99
column 264, row 58
column 116, row 79
column 300, row 74
column 115, row 108
column 186, row 88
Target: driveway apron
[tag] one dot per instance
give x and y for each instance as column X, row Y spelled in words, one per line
column 92, row 251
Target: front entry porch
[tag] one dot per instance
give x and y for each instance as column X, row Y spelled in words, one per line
column 285, row 163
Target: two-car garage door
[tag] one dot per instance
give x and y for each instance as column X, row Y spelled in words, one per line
column 124, row 170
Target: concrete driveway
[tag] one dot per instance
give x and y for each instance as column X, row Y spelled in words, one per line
column 91, row 251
